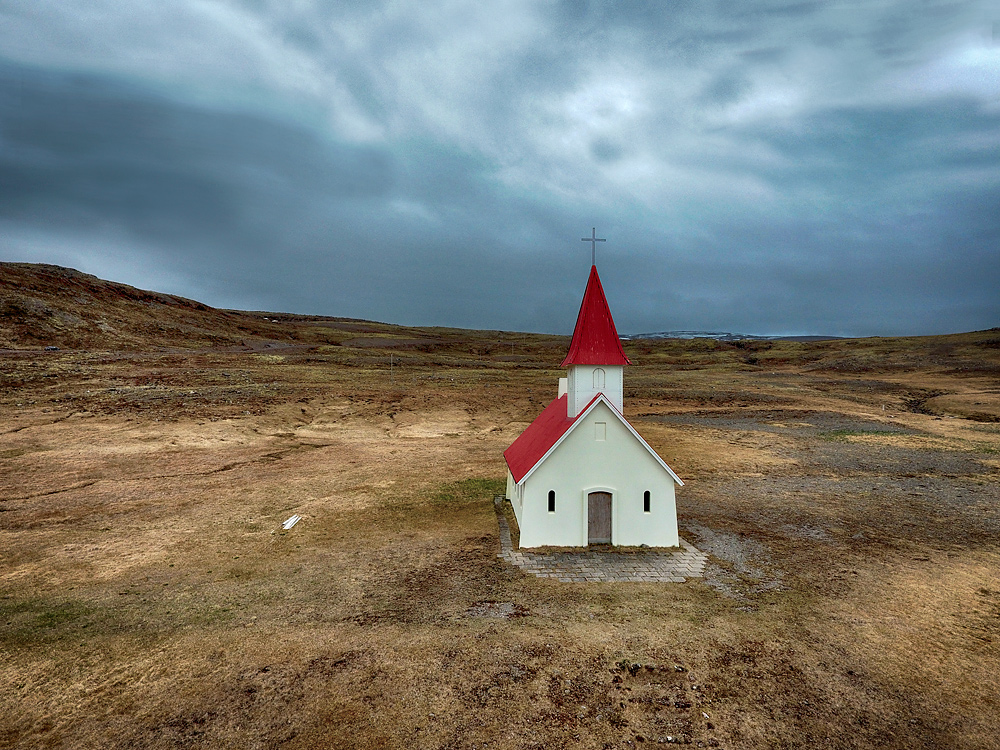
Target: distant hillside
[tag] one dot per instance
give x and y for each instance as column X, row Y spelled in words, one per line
column 50, row 306
column 44, row 305
column 723, row 336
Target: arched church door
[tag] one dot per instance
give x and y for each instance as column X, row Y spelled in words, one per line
column 599, row 518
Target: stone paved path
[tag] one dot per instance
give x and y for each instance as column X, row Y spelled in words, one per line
column 605, row 564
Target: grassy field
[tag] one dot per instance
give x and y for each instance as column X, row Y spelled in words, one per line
column 847, row 492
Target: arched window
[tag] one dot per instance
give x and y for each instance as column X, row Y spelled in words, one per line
column 552, row 501
column 598, row 378
column 645, row 501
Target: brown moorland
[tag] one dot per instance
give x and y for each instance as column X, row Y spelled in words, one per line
column 846, row 491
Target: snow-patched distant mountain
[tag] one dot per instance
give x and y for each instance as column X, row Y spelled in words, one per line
column 722, row 336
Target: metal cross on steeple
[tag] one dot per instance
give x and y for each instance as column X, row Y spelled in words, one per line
column 593, row 239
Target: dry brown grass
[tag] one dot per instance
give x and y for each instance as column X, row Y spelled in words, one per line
column 148, row 597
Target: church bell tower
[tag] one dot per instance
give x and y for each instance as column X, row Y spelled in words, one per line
column 596, row 359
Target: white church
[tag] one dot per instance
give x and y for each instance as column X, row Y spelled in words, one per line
column 580, row 474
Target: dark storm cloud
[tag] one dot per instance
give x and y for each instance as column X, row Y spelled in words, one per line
column 787, row 167
column 258, row 204
column 101, row 150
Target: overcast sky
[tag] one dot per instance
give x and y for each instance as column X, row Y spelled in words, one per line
column 760, row 167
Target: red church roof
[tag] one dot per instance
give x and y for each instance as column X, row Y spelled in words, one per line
column 540, row 435
column 548, row 429
column 595, row 338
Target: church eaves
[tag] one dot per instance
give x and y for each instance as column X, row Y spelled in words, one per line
column 550, row 427
column 532, row 444
column 595, row 338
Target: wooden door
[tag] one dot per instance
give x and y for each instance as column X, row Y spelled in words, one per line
column 599, row 518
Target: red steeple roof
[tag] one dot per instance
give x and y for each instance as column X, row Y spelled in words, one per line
column 595, row 338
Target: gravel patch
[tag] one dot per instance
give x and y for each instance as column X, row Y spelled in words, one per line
column 739, row 567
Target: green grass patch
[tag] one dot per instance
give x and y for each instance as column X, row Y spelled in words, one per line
column 468, row 491
column 29, row 621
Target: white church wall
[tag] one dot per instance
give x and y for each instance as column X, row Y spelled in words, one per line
column 541, row 528
column 512, row 495
column 631, row 526
column 584, row 463
column 582, row 386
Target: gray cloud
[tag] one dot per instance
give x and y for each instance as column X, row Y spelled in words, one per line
column 786, row 167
